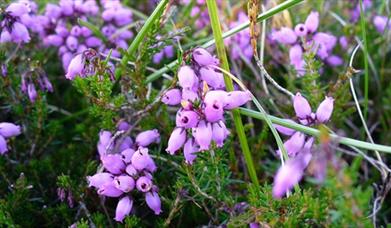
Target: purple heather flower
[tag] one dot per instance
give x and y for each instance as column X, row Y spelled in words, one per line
column 125, row 143
column 380, row 23
column 187, row 78
column 131, row 170
column 153, row 202
column 285, row 36
column 334, row 60
column 147, row 137
column 8, row 130
column 203, row 135
column 294, row 144
column 212, row 78
column 109, row 189
column 301, row 30
column 312, row 22
column 189, row 95
column 236, row 99
column 301, row 106
column 189, row 150
column 203, row 57
column 285, row 130
column 3, row 145
column 113, row 163
column 187, row 119
column 214, row 112
column 127, row 155
column 124, row 183
column 32, row 92
column 144, row 184
column 176, row 140
column 17, row 9
column 141, row 160
column 325, row 109
column 20, row 33
column 172, row 97
column 75, row 67
column 99, row 179
column 219, row 133
column 104, row 140
column 123, row 209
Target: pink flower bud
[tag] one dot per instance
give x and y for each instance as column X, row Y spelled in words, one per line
column 9, row 129
column 325, row 109
column 172, row 97
column 99, row 179
column 186, row 119
column 75, row 67
column 301, row 106
column 189, row 150
column 153, row 202
column 176, row 140
column 285, row 130
column 109, row 189
column 3, row 145
column 113, row 163
column 214, row 78
column 203, row 57
column 334, row 60
column 123, row 209
column 301, row 30
column 294, row 144
column 186, row 77
column 203, row 135
column 296, row 55
column 219, row 133
column 131, row 170
column 147, row 137
column 236, row 99
column 144, row 184
column 124, row 183
column 312, row 22
column 127, row 155
column 284, row 36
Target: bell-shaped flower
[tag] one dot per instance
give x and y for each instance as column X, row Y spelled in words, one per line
column 113, row 163
column 212, row 77
column 215, row 95
column 9, row 129
column 153, row 202
column 334, row 60
column 32, row 92
column 72, row 43
column 3, row 145
column 176, row 140
column 301, row 106
column 284, row 36
column 294, row 144
column 20, row 33
column 285, row 130
column 147, row 137
column 296, row 55
column 214, row 112
column 186, row 77
column 141, row 159
column 131, row 170
column 328, row 40
column 125, row 143
column 203, row 135
column 301, row 30
column 236, row 99
column 325, row 109
column 172, row 97
column 144, row 184
column 76, row 67
column 189, row 94
column 99, row 179
column 189, row 150
column 203, row 57
column 312, row 22
column 123, row 209
column 219, row 133
column 109, row 189
column 186, row 119
column 17, row 9
column 104, row 140
column 127, row 155
column 124, row 183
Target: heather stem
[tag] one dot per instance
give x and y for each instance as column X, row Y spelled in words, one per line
column 218, row 37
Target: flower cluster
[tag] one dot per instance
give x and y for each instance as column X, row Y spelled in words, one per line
column 16, row 20
column 298, row 146
column 200, row 120
column 128, row 167
column 240, row 43
column 28, row 87
column 7, row 130
column 305, row 35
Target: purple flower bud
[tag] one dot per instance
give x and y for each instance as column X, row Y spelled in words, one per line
column 301, row 30
column 213, row 78
column 131, row 170
column 254, row 225
column 214, row 112
column 158, row 57
column 19, row 33
column 215, row 95
column 72, row 43
column 325, row 109
column 104, row 140
column 169, row 51
column 66, row 7
column 93, row 42
column 284, row 36
column 235, row 99
column 189, row 95
column 75, row 31
column 294, row 144
column 53, row 40
column 186, row 77
column 380, row 23
column 32, row 92
column 123, row 209
column 75, row 67
column 287, row 176
column 203, row 135
column 328, row 40
column 296, row 55
column 123, row 16
column 99, row 179
column 343, row 41
column 176, row 140
column 144, row 184
column 66, row 60
column 123, row 125
column 219, row 133
column 113, row 163
column 52, row 11
column 172, row 97
column 186, row 119
column 17, row 9
column 126, row 143
column 189, row 150
column 86, row 32
column 3, row 145
column 285, row 130
column 124, row 183
column 9, row 129
column 312, row 22
column 127, row 155
column 203, row 57
column 147, row 137
column 109, row 189
column 126, row 35
column 141, row 160
column 301, row 106
column 153, row 202
column 334, row 60
column 5, row 36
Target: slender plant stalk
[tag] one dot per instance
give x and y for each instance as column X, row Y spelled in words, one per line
column 261, row 17
column 218, row 37
column 315, row 132
column 366, row 79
